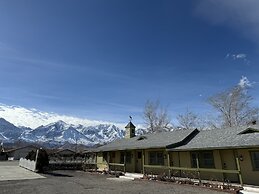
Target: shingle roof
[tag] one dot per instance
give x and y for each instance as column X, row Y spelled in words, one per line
column 155, row 140
column 223, row 138
column 28, row 146
column 130, row 125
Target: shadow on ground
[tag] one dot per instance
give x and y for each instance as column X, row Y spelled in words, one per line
column 56, row 174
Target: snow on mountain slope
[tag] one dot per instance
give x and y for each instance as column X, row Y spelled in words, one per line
column 61, row 129
column 102, row 133
column 32, row 118
column 3, row 138
column 8, row 131
column 58, row 132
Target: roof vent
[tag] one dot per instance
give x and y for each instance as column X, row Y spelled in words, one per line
column 141, row 138
column 249, row 130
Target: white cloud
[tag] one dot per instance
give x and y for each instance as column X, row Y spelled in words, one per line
column 238, row 56
column 241, row 15
column 244, row 82
column 33, row 118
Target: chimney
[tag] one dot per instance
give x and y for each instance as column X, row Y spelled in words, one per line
column 130, row 130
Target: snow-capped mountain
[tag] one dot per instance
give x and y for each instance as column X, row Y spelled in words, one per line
column 9, row 132
column 31, row 117
column 59, row 133
column 23, row 125
column 102, row 133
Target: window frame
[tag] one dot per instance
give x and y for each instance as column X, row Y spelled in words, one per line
column 105, row 157
column 122, row 157
column 253, row 161
column 157, row 158
column 128, row 157
column 204, row 162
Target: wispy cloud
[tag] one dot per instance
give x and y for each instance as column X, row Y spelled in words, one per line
column 238, row 56
column 51, row 97
column 241, row 15
column 244, row 82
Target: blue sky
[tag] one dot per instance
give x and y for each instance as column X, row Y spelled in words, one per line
column 103, row 59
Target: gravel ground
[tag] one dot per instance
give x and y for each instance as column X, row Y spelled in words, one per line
column 77, row 182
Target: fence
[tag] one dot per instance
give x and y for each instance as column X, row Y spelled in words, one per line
column 198, row 170
column 28, row 164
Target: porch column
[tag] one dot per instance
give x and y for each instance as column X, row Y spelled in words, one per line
column 124, row 167
column 108, row 160
column 198, row 168
column 143, row 161
column 239, row 171
column 168, row 164
column 179, row 161
column 95, row 161
column 222, row 165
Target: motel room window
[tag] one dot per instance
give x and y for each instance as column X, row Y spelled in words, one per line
column 193, row 159
column 128, row 157
column 156, row 158
column 255, row 160
column 113, row 154
column 206, row 159
column 122, row 158
column 105, row 156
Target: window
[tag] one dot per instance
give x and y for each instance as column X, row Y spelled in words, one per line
column 113, row 154
column 139, row 155
column 128, row 157
column 193, row 160
column 105, row 156
column 206, row 159
column 255, row 160
column 122, row 158
column 156, row 158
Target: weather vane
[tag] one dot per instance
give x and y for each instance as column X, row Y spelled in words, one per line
column 130, row 118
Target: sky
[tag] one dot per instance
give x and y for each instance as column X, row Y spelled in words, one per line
column 102, row 60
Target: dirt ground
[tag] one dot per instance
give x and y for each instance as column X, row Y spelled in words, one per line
column 77, row 182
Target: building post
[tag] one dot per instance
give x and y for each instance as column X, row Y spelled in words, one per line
column 168, row 164
column 239, row 171
column 198, row 168
column 95, row 161
column 36, row 159
column 108, row 160
column 124, row 167
column 143, row 161
column 222, row 165
column 179, row 161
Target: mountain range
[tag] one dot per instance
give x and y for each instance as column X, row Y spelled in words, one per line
column 59, row 133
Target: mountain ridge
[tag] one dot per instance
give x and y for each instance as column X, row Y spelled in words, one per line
column 60, row 132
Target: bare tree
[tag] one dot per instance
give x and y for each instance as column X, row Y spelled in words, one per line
column 156, row 117
column 233, row 106
column 189, row 120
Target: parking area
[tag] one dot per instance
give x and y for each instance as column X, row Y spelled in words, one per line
column 10, row 170
column 79, row 182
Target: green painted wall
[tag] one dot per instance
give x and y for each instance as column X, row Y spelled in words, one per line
column 250, row 176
